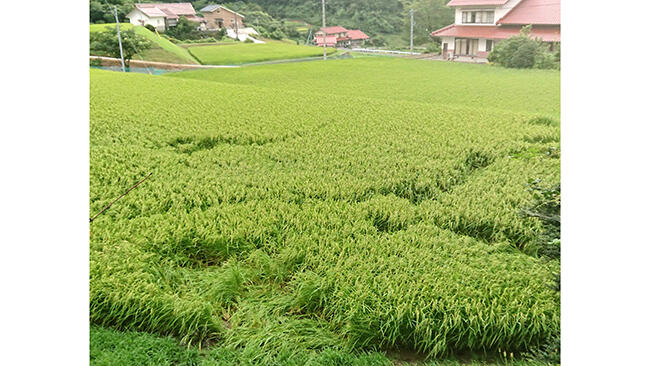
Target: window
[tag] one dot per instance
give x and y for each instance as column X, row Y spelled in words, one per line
column 478, row 17
column 488, row 45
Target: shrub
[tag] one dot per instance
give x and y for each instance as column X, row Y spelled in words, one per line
column 220, row 34
column 185, row 29
column 150, row 27
column 522, row 51
column 432, row 48
column 377, row 41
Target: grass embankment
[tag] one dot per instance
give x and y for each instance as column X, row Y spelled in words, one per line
column 163, row 50
column 242, row 53
column 285, row 225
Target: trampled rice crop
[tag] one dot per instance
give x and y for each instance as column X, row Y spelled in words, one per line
column 242, row 53
column 280, row 221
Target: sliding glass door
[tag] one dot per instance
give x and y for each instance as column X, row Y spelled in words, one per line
column 466, row 47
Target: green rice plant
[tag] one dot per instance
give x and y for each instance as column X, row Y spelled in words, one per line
column 446, row 83
column 487, row 207
column 251, row 52
column 285, row 225
column 136, row 290
column 429, row 290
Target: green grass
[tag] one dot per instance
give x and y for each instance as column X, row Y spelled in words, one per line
column 111, row 347
column 163, row 50
column 288, row 225
column 242, row 53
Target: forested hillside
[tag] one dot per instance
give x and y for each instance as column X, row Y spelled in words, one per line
column 375, row 17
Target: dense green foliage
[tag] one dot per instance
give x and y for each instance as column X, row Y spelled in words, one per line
column 186, row 29
column 283, row 224
column 161, row 48
column 525, row 52
column 248, row 52
column 372, row 16
column 107, row 43
column 428, row 16
column 101, row 11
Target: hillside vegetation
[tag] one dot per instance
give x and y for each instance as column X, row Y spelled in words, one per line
column 287, row 225
column 386, row 21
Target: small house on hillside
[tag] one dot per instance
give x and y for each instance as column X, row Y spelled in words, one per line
column 218, row 16
column 339, row 37
column 482, row 23
column 162, row 15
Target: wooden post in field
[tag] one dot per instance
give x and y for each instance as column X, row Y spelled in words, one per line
column 119, row 37
column 324, row 34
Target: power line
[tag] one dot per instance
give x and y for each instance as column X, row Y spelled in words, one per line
column 122, row 195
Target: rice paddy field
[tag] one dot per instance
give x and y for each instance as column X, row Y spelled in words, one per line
column 348, row 212
column 241, row 53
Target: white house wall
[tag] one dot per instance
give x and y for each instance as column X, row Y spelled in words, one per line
column 449, row 41
column 499, row 11
column 136, row 17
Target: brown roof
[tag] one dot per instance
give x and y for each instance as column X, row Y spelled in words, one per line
column 533, row 12
column 547, row 34
column 168, row 13
column 357, row 34
column 333, row 29
column 150, row 11
column 213, row 7
column 476, row 2
column 169, row 9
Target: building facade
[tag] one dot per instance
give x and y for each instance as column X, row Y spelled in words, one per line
column 480, row 24
column 337, row 36
column 217, row 17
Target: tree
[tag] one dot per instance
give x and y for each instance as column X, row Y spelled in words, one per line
column 101, row 11
column 429, row 15
column 107, row 44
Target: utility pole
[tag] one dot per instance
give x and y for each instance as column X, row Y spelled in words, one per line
column 324, row 34
column 236, row 28
column 411, row 48
column 119, row 37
